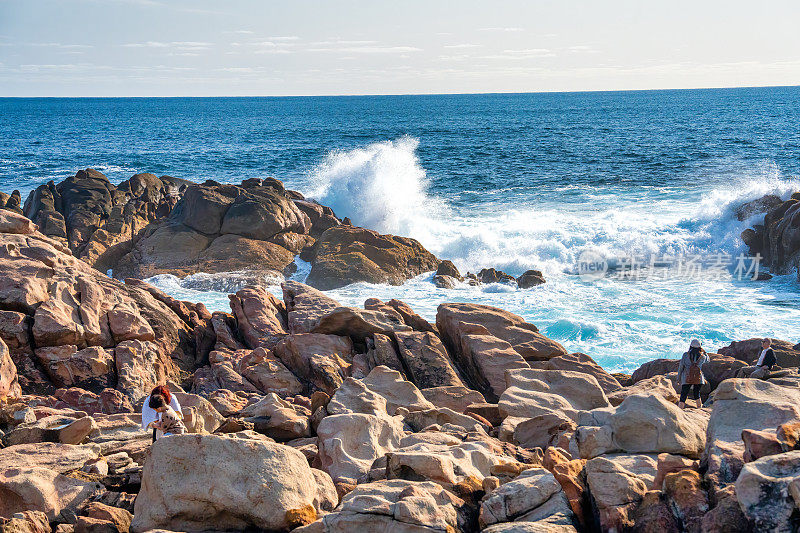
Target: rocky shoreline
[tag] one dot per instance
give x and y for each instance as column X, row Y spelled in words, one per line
column 310, row 416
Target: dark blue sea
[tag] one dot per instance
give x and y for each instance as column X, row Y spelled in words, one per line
column 511, row 181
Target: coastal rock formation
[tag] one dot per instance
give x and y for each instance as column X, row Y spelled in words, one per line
column 307, row 415
column 777, row 240
column 282, row 492
column 150, row 225
column 349, row 254
column 83, row 327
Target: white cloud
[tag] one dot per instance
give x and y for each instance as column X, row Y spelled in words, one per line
column 368, row 49
column 525, row 53
column 463, row 45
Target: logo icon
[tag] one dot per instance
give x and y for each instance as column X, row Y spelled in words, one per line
column 592, row 265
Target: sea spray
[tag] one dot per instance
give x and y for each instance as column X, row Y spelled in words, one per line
column 381, row 186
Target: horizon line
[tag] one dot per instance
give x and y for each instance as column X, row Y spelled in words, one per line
column 339, row 95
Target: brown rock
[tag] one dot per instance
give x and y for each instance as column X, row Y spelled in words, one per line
column 653, row 515
column 458, row 398
column 749, row 350
column 447, row 268
column 726, row 516
column 349, row 254
column 789, row 435
column 687, row 498
column 9, row 385
column 758, row 444
column 321, row 360
column 408, row 316
column 530, row 278
column 523, row 337
column 304, row 306
column 119, row 517
column 426, row 359
column 579, row 362
column 483, row 357
column 259, row 316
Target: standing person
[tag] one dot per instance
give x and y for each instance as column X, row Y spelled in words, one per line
column 690, row 372
column 766, row 360
column 149, row 412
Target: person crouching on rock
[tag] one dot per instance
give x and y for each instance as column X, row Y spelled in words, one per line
column 766, row 360
column 170, row 423
column 149, row 413
column 690, row 373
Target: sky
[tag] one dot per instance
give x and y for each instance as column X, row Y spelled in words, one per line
column 330, row 47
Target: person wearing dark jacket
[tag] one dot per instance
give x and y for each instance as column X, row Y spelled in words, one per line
column 766, row 360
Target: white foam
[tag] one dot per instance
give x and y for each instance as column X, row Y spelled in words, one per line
column 383, row 186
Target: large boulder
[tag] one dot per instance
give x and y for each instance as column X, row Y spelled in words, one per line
column 194, row 482
column 523, row 337
column 259, row 316
column 483, row 357
column 348, row 254
column 777, row 240
column 533, row 392
column 580, row 362
column 740, row 404
column 647, row 423
column 517, row 499
column 396, row 505
column 320, row 360
column 87, row 329
column 44, row 490
column 305, row 305
column 617, row 484
column 397, row 392
column 350, row 443
column 768, row 491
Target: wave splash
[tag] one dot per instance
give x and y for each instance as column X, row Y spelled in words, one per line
column 381, row 186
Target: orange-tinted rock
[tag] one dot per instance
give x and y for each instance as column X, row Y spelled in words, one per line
column 349, row 254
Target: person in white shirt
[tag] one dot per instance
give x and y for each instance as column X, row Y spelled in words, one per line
column 149, row 413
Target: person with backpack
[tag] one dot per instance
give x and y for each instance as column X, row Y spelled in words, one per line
column 766, row 360
column 690, row 372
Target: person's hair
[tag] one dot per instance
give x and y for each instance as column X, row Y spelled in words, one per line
column 695, row 352
column 768, row 342
column 156, row 402
column 163, row 391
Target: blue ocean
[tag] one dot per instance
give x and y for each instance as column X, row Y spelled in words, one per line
column 510, row 181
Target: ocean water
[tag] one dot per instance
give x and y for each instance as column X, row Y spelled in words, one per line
column 511, row 181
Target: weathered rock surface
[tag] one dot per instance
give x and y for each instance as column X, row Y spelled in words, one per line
column 397, row 505
column 646, row 423
column 740, row 404
column 9, row 384
column 79, row 317
column 194, row 482
column 748, row 351
column 778, row 238
column 523, row 337
column 533, row 392
column 348, row 254
column 768, row 491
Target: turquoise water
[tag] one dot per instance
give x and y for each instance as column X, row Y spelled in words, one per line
column 510, row 181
